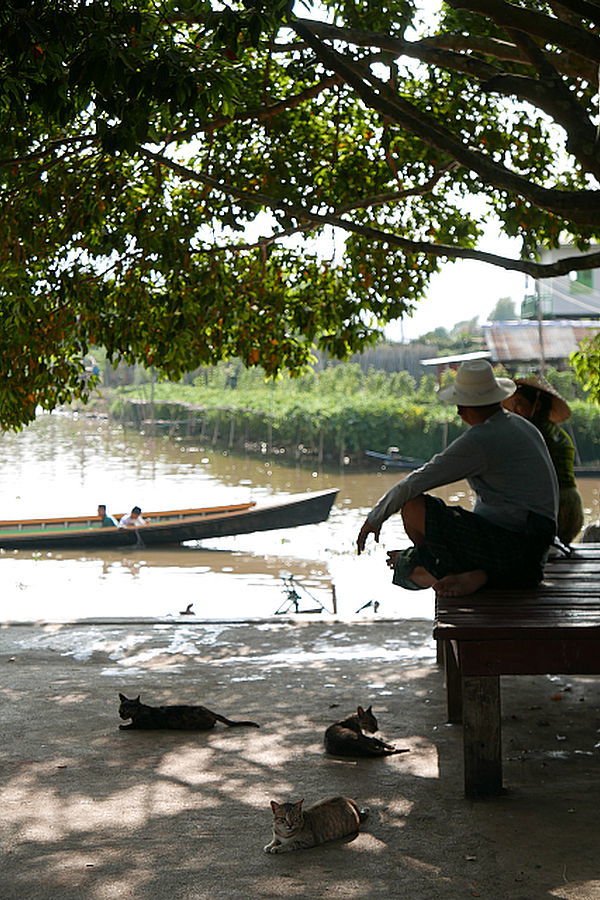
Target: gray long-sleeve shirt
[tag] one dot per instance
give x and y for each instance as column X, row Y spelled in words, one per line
column 506, row 463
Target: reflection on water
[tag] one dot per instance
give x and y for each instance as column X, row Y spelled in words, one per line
column 67, row 465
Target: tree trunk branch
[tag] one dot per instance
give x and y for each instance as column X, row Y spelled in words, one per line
column 535, row 23
column 581, row 207
column 313, row 219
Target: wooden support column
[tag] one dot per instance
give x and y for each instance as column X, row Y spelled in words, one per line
column 453, row 685
column 439, row 653
column 481, row 735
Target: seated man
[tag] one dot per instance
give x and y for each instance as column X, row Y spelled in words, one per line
column 504, row 541
column 106, row 521
column 133, row 520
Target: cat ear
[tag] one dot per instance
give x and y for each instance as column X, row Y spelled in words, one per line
column 274, row 806
column 298, row 804
column 137, row 699
column 370, row 709
column 122, row 697
column 360, row 711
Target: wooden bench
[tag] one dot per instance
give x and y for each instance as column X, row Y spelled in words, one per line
column 552, row 629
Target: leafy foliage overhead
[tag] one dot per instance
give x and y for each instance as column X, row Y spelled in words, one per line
column 188, row 181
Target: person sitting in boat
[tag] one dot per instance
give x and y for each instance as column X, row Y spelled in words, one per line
column 538, row 401
column 504, row 541
column 106, row 521
column 133, row 519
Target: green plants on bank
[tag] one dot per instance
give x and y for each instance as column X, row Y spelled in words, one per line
column 334, row 414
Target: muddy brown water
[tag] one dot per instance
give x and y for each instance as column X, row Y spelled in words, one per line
column 64, row 464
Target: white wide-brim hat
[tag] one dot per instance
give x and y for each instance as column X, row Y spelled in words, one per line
column 476, row 385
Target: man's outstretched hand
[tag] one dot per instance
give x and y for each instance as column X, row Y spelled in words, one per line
column 363, row 534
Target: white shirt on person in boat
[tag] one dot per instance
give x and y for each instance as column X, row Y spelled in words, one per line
column 133, row 519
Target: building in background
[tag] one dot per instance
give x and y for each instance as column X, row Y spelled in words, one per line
column 572, row 296
column 537, row 343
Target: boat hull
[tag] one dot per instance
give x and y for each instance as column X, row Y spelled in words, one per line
column 409, row 465
column 396, row 462
column 286, row 512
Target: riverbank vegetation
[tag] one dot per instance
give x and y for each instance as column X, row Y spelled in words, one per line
column 331, row 415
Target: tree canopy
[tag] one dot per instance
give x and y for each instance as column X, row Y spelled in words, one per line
column 190, row 181
column 504, row 309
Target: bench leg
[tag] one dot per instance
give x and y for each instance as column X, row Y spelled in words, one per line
column 439, row 652
column 481, row 735
column 453, row 685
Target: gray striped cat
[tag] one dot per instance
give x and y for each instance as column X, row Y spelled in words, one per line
column 295, row 828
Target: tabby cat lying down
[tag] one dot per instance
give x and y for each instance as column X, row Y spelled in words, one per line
column 180, row 718
column 295, row 828
column 346, row 738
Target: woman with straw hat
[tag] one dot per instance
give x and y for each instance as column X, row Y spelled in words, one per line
column 504, row 541
column 537, row 400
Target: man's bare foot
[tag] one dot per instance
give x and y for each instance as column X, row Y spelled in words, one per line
column 422, row 577
column 461, row 584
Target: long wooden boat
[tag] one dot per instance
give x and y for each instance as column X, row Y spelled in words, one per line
column 170, row 526
column 408, row 464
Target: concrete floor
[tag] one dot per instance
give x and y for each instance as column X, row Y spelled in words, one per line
column 92, row 812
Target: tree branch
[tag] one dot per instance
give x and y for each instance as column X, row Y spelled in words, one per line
column 553, row 96
column 434, row 50
column 48, row 148
column 566, row 62
column 556, row 31
column 308, row 218
column 424, row 51
column 577, row 9
column 581, row 207
column 555, row 100
column 260, row 114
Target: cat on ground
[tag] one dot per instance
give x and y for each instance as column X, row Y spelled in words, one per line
column 180, row 718
column 295, row 828
column 347, row 738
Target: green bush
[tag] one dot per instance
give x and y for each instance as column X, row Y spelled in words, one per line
column 340, row 410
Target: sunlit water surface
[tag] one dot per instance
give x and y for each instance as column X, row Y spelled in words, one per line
column 66, row 465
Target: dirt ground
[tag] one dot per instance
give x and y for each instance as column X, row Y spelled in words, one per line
column 92, row 812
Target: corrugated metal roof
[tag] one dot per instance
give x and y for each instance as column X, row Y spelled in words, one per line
column 520, row 341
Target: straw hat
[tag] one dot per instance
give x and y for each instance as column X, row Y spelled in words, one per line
column 560, row 409
column 476, row 385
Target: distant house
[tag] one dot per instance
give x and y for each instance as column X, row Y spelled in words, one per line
column 518, row 343
column 512, row 343
column 572, row 296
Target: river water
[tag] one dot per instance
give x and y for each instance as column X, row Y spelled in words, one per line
column 66, row 464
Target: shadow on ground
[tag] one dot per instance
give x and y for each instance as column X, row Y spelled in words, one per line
column 89, row 811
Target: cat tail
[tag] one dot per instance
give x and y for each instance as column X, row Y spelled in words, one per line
column 233, row 724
